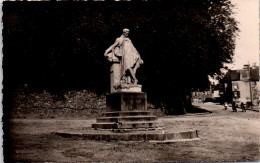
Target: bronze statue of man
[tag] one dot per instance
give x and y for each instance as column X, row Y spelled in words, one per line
column 128, row 56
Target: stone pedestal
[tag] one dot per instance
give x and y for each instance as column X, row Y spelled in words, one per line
column 136, row 88
column 114, row 74
column 127, row 110
column 127, row 105
column 126, row 101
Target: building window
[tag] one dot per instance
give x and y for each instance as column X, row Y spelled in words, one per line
column 236, row 94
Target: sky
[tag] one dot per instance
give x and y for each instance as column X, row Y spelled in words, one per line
column 247, row 43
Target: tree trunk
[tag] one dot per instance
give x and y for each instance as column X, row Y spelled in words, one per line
column 177, row 104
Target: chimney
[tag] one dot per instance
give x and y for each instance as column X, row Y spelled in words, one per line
column 246, row 67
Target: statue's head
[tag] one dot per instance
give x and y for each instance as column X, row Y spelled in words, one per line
column 126, row 32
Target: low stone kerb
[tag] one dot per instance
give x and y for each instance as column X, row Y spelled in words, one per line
column 192, row 134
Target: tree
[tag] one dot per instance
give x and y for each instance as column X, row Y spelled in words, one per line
column 201, row 39
column 60, row 46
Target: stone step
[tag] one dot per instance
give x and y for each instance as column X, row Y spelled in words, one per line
column 127, row 118
column 128, row 125
column 125, row 113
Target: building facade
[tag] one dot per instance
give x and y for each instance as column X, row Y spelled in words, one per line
column 245, row 85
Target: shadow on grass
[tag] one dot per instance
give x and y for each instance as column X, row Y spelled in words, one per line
column 196, row 109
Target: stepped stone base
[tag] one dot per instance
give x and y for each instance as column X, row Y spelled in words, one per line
column 127, row 110
column 128, row 125
column 125, row 113
column 127, row 120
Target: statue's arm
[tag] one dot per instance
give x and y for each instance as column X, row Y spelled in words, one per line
column 111, row 47
column 141, row 61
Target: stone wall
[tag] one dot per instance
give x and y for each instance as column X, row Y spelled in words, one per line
column 25, row 98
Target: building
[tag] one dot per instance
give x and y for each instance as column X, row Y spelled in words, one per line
column 212, row 93
column 242, row 85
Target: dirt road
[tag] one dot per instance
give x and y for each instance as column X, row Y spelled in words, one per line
column 225, row 136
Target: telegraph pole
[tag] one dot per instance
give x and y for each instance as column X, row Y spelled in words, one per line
column 250, row 86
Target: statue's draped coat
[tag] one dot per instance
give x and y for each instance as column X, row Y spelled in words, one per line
column 129, row 57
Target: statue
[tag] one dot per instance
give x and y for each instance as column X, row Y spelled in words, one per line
column 129, row 59
column 126, row 96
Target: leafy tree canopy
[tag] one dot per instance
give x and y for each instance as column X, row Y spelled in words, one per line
column 57, row 46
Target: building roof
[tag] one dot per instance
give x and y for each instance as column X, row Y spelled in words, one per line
column 254, row 74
